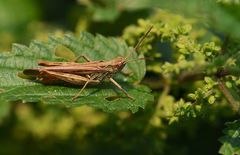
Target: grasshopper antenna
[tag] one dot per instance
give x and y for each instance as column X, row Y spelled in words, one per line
column 141, row 40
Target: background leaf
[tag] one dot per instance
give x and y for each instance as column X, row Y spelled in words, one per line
column 231, row 140
column 104, row 96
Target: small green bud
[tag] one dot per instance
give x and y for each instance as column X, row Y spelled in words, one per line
column 228, row 84
column 211, row 99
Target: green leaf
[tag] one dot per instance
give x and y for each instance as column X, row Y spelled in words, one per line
column 106, row 10
column 103, row 14
column 231, row 140
column 104, row 96
column 110, row 10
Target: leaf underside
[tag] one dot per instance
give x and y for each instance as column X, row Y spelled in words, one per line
column 104, row 96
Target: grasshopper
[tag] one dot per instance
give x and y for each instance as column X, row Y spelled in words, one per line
column 89, row 72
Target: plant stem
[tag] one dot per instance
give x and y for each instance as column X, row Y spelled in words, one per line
column 234, row 104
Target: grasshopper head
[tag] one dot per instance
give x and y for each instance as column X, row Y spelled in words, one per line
column 115, row 66
column 120, row 62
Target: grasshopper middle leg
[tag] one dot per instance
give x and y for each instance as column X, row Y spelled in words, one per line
column 79, row 93
column 84, row 86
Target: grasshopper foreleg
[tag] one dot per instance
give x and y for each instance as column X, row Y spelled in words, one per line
column 120, row 87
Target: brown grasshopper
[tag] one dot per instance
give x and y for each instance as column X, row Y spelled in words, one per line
column 90, row 72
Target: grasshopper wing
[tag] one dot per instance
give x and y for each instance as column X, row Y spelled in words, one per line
column 49, row 77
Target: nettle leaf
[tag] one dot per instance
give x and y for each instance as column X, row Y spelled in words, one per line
column 231, row 140
column 104, row 96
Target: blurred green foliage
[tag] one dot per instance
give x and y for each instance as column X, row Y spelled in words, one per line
column 14, row 16
column 231, row 140
column 192, row 59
